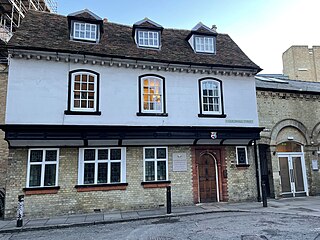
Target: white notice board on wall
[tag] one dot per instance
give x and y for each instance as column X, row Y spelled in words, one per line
column 180, row 162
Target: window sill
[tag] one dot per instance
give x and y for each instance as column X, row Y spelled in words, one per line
column 68, row 112
column 243, row 165
column 101, row 187
column 156, row 184
column 139, row 114
column 212, row 115
column 41, row 190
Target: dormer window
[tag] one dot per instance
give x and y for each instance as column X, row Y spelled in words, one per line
column 85, row 26
column 204, row 44
column 147, row 34
column 85, row 31
column 148, row 39
column 203, row 39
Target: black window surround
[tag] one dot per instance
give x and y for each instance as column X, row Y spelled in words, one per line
column 141, row 113
column 206, row 115
column 69, row 111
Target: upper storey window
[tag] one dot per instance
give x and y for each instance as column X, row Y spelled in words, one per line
column 148, row 39
column 204, row 44
column 203, row 39
column 85, row 26
column 147, row 34
column 211, row 98
column 152, row 96
column 83, row 92
column 85, row 31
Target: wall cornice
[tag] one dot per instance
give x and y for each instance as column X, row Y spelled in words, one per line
column 128, row 63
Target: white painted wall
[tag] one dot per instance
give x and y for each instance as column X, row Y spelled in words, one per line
column 38, row 93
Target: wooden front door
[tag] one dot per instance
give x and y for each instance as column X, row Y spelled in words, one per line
column 207, row 178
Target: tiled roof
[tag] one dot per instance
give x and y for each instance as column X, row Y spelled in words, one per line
column 282, row 83
column 49, row 32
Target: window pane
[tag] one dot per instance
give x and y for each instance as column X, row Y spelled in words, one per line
column 115, row 172
column 161, row 153
column 89, row 154
column 89, row 173
column 115, row 154
column 51, row 155
column 149, row 171
column 91, row 104
column 76, row 104
column 102, row 172
column 35, row 176
column 149, row 153
column 102, row 154
column 36, row 155
column 161, row 170
column 84, row 104
column 50, row 175
column 77, row 78
column 77, row 86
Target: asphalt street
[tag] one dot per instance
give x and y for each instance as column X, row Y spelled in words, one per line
column 245, row 226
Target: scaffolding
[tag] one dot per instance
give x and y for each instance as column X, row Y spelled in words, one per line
column 13, row 11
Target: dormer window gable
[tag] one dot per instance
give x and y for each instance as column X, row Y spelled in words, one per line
column 147, row 34
column 85, row 26
column 202, row 39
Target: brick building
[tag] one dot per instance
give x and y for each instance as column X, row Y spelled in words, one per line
column 302, row 63
column 110, row 115
column 289, row 146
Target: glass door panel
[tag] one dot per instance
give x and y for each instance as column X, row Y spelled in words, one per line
column 298, row 175
column 284, row 174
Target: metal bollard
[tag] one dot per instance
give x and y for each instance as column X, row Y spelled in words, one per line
column 264, row 194
column 169, row 200
column 20, row 210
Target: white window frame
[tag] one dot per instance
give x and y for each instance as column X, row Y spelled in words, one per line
column 208, row 44
column 81, row 109
column 145, row 35
column 161, row 94
column 215, row 82
column 43, row 165
column 122, row 162
column 85, row 31
column 155, row 160
column 246, row 152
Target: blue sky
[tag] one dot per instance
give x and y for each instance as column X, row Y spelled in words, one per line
column 263, row 29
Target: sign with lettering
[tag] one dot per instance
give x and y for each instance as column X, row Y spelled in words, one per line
column 180, row 162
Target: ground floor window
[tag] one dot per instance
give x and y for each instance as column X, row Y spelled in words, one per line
column 102, row 166
column 242, row 156
column 42, row 167
column 155, row 163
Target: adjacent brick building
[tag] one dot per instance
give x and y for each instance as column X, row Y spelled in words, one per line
column 302, row 63
column 290, row 112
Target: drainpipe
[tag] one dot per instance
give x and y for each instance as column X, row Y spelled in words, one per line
column 257, row 170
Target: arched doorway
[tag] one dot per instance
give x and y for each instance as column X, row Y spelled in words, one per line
column 292, row 170
column 208, row 178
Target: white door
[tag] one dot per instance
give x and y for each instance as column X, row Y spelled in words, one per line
column 293, row 175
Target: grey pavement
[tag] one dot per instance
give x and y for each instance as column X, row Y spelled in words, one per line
column 304, row 206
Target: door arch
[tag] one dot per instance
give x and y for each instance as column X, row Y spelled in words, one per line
column 208, row 178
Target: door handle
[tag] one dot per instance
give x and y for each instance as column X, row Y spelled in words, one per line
column 291, row 175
